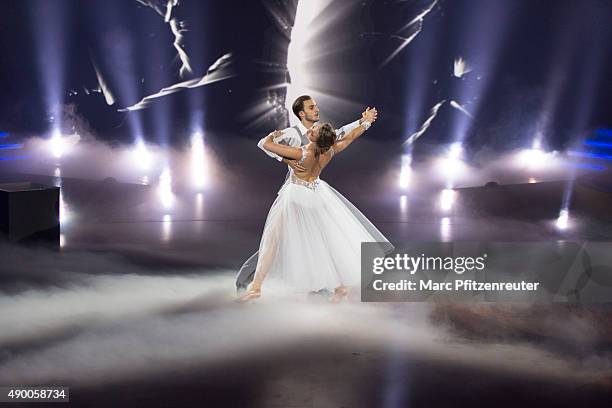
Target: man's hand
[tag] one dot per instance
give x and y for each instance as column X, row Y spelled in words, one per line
column 294, row 165
column 370, row 115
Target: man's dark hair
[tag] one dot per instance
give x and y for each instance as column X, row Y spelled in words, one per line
column 298, row 105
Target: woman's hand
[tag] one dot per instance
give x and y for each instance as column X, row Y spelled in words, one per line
column 370, row 114
column 276, row 133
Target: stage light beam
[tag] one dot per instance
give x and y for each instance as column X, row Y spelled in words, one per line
column 198, row 160
column 406, row 171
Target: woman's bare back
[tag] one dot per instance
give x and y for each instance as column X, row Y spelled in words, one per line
column 313, row 165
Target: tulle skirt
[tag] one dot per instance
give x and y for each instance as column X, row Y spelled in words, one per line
column 312, row 238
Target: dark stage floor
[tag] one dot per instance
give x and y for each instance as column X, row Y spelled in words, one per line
column 137, row 310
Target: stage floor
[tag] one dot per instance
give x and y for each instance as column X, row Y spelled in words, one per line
column 136, row 309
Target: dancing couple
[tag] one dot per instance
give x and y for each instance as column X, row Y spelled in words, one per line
column 312, row 236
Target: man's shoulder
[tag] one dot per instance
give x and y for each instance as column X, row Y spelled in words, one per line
column 294, row 127
column 291, row 130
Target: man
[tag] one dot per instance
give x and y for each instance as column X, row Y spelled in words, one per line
column 307, row 111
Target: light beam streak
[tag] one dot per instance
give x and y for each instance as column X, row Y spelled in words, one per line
column 177, row 29
column 421, row 16
column 221, row 69
column 425, row 125
column 460, row 68
column 405, row 42
column 176, row 26
column 457, row 106
column 418, row 20
column 108, row 95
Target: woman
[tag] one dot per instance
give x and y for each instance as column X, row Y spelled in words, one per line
column 311, row 239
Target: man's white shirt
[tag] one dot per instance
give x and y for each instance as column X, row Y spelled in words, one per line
column 292, row 137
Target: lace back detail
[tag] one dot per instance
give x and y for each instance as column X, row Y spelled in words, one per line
column 309, row 184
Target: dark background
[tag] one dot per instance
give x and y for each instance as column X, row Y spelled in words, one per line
column 522, row 51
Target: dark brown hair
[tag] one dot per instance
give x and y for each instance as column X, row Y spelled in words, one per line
column 298, row 105
column 327, row 138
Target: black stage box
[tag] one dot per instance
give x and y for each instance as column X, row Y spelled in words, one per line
column 29, row 212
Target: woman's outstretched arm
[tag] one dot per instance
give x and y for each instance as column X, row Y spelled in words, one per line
column 369, row 117
column 282, row 150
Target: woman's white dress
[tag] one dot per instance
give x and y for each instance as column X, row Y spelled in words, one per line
column 312, row 238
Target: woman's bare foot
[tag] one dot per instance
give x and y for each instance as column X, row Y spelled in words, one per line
column 339, row 293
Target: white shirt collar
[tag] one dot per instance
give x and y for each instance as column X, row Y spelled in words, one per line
column 302, row 128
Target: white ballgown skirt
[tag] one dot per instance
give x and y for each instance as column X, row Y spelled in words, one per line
column 312, row 238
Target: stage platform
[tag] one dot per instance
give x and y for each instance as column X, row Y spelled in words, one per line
column 140, row 299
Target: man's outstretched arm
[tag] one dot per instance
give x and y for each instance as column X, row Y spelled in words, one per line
column 341, row 132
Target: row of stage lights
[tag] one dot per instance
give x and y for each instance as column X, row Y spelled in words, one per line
column 199, row 169
column 146, row 159
column 451, row 165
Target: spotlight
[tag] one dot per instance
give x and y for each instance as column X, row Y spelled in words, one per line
column 452, row 165
column 165, row 188
column 532, row 180
column 61, row 144
column 142, row 155
column 447, row 199
column 531, row 158
column 562, row 221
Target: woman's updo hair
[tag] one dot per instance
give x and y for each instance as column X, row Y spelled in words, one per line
column 327, row 137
